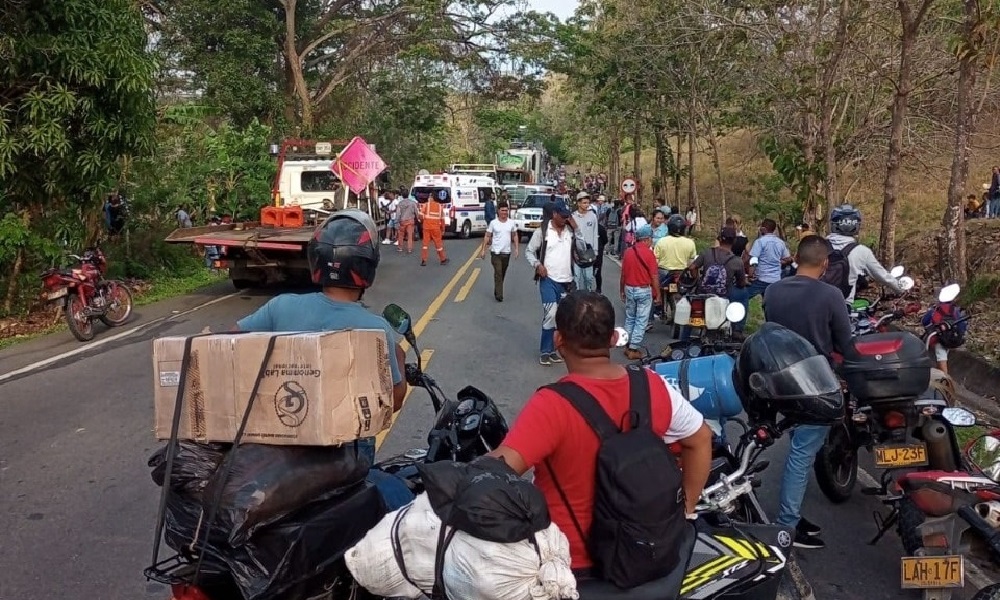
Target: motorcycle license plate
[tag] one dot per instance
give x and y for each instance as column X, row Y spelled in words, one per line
column 923, row 572
column 57, row 294
column 672, row 288
column 895, row 456
column 696, row 322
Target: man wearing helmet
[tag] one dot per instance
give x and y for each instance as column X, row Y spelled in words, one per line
column 675, row 252
column 343, row 258
column 845, row 224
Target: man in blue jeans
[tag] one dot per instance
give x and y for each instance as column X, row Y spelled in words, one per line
column 343, row 258
column 816, row 311
column 771, row 253
column 550, row 254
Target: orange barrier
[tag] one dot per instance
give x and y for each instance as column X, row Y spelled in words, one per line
column 293, row 217
column 272, row 216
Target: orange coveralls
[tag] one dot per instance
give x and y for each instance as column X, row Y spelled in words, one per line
column 432, row 217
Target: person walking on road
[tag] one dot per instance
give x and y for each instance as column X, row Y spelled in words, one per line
column 550, row 254
column 501, row 237
column 431, row 215
column 407, row 212
column 640, row 289
column 585, row 225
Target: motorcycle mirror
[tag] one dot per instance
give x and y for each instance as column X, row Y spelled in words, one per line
column 906, row 283
column 622, row 339
column 949, row 292
column 735, row 312
column 399, row 319
column 754, row 261
column 984, row 453
column 959, row 417
column 897, row 271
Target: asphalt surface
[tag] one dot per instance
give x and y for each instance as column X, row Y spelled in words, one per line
column 77, row 505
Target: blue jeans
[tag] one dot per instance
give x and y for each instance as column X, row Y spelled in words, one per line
column 994, row 208
column 638, row 302
column 806, row 440
column 757, row 288
column 741, row 295
column 551, row 293
column 584, row 278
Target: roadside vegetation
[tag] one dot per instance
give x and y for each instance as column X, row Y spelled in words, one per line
column 757, row 108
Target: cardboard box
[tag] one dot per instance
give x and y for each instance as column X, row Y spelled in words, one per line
column 318, row 389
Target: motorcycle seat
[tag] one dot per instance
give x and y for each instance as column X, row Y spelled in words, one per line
column 666, row 588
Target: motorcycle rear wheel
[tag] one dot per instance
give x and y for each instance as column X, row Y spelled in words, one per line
column 909, row 519
column 82, row 329
column 836, row 466
column 988, row 593
column 117, row 288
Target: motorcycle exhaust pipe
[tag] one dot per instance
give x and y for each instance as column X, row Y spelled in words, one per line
column 940, row 453
column 990, row 512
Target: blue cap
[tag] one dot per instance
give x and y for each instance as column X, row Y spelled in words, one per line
column 557, row 206
column 644, row 232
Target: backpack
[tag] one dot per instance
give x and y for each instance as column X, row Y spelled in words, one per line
column 639, row 521
column 949, row 313
column 715, row 279
column 838, row 272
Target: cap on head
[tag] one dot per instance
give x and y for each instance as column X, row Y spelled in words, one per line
column 558, row 207
column 644, row 232
column 727, row 235
column 582, row 196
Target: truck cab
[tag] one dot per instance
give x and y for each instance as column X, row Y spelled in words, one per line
column 464, row 199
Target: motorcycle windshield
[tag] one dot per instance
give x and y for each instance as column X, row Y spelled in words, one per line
column 807, row 378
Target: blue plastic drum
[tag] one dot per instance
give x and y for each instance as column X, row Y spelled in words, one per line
column 710, row 384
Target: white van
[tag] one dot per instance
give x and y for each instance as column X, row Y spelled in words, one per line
column 464, row 197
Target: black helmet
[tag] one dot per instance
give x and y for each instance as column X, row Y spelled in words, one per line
column 845, row 220
column 344, row 251
column 779, row 371
column 676, row 225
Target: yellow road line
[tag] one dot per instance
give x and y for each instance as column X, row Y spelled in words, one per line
column 425, row 357
column 464, row 292
column 424, row 321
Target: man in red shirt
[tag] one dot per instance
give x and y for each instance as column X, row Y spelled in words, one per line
column 550, row 429
column 640, row 289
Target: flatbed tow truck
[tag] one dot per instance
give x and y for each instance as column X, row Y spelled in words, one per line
column 257, row 254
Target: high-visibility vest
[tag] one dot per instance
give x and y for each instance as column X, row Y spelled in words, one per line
column 432, row 210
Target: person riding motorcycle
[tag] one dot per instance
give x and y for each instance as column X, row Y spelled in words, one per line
column 343, row 257
column 675, row 252
column 845, row 224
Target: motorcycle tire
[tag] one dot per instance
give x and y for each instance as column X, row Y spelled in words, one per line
column 909, row 519
column 119, row 287
column 991, row 592
column 82, row 331
column 836, row 465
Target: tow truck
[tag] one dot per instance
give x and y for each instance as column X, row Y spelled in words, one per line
column 303, row 193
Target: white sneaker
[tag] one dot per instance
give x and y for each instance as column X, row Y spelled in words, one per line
column 384, row 242
column 396, row 243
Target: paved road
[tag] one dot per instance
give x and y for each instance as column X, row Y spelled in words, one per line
column 77, row 505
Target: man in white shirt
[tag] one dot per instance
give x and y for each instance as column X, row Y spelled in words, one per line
column 550, row 253
column 501, row 236
column 385, row 204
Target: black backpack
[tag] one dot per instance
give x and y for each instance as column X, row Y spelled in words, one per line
column 639, row 524
column 838, row 272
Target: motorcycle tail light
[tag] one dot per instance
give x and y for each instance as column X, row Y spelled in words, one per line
column 894, row 420
column 932, row 502
column 183, row 591
column 936, row 540
column 698, row 308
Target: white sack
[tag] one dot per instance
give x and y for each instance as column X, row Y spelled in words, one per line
column 373, row 563
column 475, row 568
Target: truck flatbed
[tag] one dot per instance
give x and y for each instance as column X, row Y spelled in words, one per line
column 244, row 235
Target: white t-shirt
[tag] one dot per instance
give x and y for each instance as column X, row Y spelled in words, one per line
column 559, row 254
column 392, row 208
column 685, row 420
column 501, row 232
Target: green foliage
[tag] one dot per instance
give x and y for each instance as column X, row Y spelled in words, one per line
column 771, row 201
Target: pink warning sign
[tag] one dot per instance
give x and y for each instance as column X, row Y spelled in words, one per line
column 357, row 165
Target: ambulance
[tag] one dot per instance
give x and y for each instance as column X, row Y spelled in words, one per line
column 464, row 198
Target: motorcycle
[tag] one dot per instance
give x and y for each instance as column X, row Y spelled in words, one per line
column 863, row 312
column 674, row 286
column 935, row 330
column 725, row 343
column 943, row 516
column 85, row 295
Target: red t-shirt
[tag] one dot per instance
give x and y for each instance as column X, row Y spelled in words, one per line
column 550, row 428
column 639, row 266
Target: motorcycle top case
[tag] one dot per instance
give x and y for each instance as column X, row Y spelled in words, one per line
column 710, row 384
column 886, row 367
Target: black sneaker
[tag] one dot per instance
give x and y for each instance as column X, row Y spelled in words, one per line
column 555, row 358
column 808, row 527
column 544, row 360
column 804, row 540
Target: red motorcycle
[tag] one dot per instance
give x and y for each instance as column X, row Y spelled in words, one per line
column 85, row 295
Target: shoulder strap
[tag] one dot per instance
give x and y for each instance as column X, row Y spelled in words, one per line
column 848, row 248
column 640, row 408
column 641, row 262
column 587, row 406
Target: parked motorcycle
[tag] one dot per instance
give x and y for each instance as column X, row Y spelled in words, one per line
column 85, row 295
column 942, row 517
column 673, row 287
column 935, row 332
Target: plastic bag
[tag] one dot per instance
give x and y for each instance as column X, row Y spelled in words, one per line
column 475, row 568
column 297, row 557
column 414, row 529
column 266, row 483
column 486, row 499
column 194, row 465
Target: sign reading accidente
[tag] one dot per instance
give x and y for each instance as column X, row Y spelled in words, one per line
column 316, row 389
